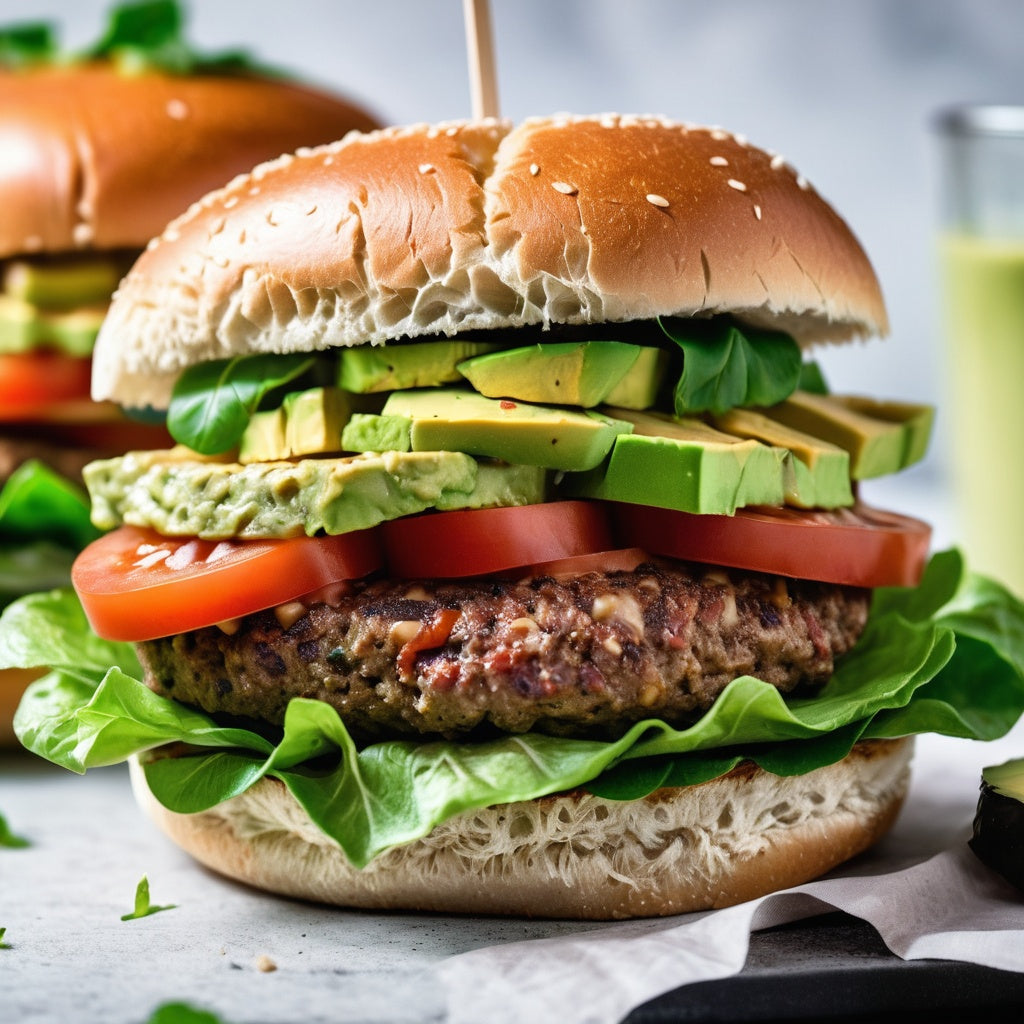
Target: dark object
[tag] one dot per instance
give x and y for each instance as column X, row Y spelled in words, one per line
column 998, row 839
column 835, row 967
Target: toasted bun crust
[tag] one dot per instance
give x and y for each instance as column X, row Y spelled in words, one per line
column 440, row 229
column 94, row 158
column 571, row 855
column 13, row 682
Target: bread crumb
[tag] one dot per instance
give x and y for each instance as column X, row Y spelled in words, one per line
column 265, row 964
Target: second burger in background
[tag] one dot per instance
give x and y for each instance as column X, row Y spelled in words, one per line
column 512, row 560
column 98, row 151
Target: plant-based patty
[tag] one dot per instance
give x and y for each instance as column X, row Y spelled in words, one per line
column 583, row 655
column 67, row 461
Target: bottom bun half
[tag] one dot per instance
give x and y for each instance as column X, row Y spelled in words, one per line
column 570, row 855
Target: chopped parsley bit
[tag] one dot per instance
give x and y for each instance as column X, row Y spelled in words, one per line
column 143, row 908
column 3, row 945
column 182, row 1013
column 9, row 839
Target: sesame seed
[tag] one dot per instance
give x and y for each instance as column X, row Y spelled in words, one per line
column 564, row 188
column 655, row 200
column 534, row 170
column 328, row 160
column 802, row 182
column 718, row 135
column 33, row 243
column 177, row 110
column 777, row 161
column 757, row 211
column 82, row 234
column 738, row 185
column 426, row 168
column 719, row 161
column 231, row 202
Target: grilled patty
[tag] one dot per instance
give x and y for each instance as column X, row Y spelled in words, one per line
column 66, row 460
column 585, row 655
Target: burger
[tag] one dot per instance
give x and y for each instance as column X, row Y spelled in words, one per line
column 97, row 153
column 511, row 557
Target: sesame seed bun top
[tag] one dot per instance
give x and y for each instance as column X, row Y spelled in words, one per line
column 94, row 158
column 426, row 230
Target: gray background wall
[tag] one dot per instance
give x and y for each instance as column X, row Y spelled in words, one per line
column 845, row 89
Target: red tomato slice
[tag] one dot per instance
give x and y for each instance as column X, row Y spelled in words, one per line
column 31, row 383
column 861, row 546
column 135, row 584
column 477, row 542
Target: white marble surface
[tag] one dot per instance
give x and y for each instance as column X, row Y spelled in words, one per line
column 71, row 958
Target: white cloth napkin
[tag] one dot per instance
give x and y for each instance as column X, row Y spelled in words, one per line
column 924, row 891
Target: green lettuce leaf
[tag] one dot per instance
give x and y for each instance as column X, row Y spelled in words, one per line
column 213, row 401
column 25, row 44
column 38, row 502
column 44, row 522
column 725, row 367
column 139, row 36
column 812, row 378
column 947, row 656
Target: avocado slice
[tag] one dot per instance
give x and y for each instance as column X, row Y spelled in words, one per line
column 264, row 437
column 683, row 464
column 308, row 422
column 917, row 421
column 24, row 327
column 180, row 493
column 447, row 419
column 499, row 485
column 998, row 839
column 314, row 420
column 424, row 364
column 554, row 373
column 640, row 387
column 62, row 285
column 815, row 474
column 877, row 444
column 368, row 432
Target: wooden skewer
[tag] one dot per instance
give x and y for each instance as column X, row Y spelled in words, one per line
column 480, row 50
